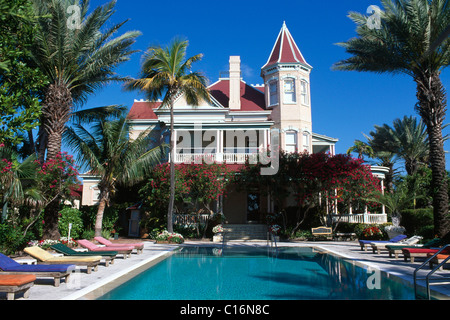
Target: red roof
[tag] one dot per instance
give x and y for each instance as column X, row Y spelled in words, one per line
column 285, row 50
column 251, row 98
column 143, row 110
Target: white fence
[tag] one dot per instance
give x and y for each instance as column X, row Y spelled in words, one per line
column 369, row 218
column 189, row 219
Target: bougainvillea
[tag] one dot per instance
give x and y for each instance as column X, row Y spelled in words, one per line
column 196, row 186
column 317, row 180
column 57, row 176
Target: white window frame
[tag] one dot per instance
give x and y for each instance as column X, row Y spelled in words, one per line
column 273, row 94
column 289, row 91
column 293, row 144
column 304, row 91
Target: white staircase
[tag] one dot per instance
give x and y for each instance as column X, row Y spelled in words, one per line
column 245, row 232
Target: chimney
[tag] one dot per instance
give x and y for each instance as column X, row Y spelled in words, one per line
column 235, row 83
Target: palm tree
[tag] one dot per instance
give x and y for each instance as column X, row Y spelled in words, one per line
column 361, row 148
column 107, row 150
column 402, row 45
column 407, row 138
column 166, row 71
column 77, row 60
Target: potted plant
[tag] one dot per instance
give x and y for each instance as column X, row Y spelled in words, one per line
column 218, row 230
column 273, row 229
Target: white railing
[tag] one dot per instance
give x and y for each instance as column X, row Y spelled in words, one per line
column 189, row 219
column 369, row 218
column 216, row 157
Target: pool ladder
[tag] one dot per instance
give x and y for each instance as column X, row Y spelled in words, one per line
column 273, row 241
column 443, row 278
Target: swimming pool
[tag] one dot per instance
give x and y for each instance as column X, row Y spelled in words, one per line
column 237, row 273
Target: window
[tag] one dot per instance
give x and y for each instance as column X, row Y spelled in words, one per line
column 273, row 93
column 291, row 141
column 304, row 92
column 306, row 140
column 289, row 91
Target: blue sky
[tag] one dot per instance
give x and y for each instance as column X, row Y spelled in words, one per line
column 344, row 104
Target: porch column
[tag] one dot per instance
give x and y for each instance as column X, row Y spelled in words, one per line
column 219, row 145
column 383, row 207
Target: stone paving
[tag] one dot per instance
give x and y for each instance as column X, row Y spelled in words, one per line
column 83, row 286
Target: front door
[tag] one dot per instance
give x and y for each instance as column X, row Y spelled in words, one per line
column 253, row 208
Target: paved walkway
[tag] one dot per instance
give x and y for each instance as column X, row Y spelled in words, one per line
column 85, row 286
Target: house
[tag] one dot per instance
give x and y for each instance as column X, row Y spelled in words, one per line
column 242, row 121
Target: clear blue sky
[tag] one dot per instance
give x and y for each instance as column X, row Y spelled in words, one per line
column 344, row 104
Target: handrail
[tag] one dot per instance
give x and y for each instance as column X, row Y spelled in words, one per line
column 273, row 241
column 427, row 278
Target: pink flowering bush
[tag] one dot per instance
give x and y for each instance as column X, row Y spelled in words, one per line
column 57, row 176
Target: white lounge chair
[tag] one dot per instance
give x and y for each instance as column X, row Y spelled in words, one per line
column 377, row 246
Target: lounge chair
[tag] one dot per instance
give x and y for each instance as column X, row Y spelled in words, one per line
column 46, row 257
column 366, row 243
column 56, row 271
column 437, row 259
column 377, row 247
column 125, row 251
column 413, row 253
column 14, row 283
column 396, row 249
column 138, row 246
column 108, row 256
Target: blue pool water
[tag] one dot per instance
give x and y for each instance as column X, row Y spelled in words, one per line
column 205, row 273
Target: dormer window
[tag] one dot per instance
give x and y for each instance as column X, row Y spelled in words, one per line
column 273, row 93
column 289, row 91
column 304, row 92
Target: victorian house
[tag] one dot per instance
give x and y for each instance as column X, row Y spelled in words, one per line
column 240, row 121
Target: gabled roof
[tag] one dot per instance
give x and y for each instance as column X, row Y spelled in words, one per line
column 252, row 99
column 143, row 110
column 285, row 50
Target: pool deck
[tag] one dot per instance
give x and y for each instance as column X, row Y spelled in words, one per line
column 83, row 286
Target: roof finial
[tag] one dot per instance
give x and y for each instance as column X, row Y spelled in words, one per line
column 284, row 24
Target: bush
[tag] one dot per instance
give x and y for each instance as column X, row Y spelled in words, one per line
column 419, row 222
column 73, row 216
column 11, row 239
column 170, row 237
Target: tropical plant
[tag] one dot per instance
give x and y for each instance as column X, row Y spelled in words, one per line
column 405, row 43
column 20, row 81
column 77, row 59
column 109, row 153
column 166, row 71
column 361, row 148
column 407, row 138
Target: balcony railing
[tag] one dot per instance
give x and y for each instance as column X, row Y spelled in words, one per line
column 369, row 218
column 240, row 156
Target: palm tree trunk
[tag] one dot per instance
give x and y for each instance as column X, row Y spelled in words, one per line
column 99, row 218
column 432, row 108
column 172, row 173
column 56, row 112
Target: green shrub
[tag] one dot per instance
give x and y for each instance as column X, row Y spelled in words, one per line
column 11, row 239
column 418, row 222
column 70, row 215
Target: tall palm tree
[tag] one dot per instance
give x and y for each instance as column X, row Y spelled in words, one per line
column 166, row 71
column 107, row 150
column 77, row 59
column 402, row 45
